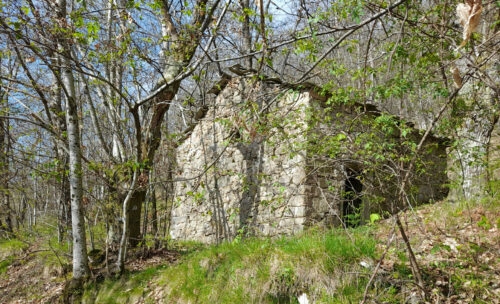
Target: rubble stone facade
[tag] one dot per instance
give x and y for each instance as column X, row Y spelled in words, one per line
column 261, row 162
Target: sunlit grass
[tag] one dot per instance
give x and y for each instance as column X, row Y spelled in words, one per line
column 254, row 270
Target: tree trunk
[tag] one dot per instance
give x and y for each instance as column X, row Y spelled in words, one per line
column 145, row 221
column 154, row 214
column 134, row 216
column 5, row 210
column 122, row 251
column 177, row 56
column 245, row 31
column 64, row 208
column 59, row 121
column 80, row 260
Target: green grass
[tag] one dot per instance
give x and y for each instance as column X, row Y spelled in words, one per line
column 11, row 246
column 49, row 253
column 128, row 289
column 4, row 264
column 324, row 264
column 342, row 249
column 254, row 271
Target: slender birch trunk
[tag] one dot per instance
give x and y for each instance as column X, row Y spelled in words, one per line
column 122, row 251
column 80, row 260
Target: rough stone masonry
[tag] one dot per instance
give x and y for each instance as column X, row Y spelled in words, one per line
column 269, row 159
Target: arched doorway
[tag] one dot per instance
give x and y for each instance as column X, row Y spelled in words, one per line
column 351, row 200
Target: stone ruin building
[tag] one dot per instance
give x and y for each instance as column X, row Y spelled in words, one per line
column 269, row 159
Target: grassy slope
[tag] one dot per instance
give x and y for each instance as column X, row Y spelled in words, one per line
column 458, row 247
column 33, row 267
column 254, row 271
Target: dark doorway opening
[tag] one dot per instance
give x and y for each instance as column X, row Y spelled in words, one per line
column 351, row 201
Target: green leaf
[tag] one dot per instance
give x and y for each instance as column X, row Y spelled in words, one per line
column 341, row 136
column 374, row 217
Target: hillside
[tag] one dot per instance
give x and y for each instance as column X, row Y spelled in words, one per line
column 457, row 246
column 222, row 151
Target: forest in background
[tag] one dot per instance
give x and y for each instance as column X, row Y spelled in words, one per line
column 97, row 94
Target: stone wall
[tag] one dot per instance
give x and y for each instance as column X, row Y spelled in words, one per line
column 268, row 160
column 241, row 170
column 338, row 154
column 493, row 177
